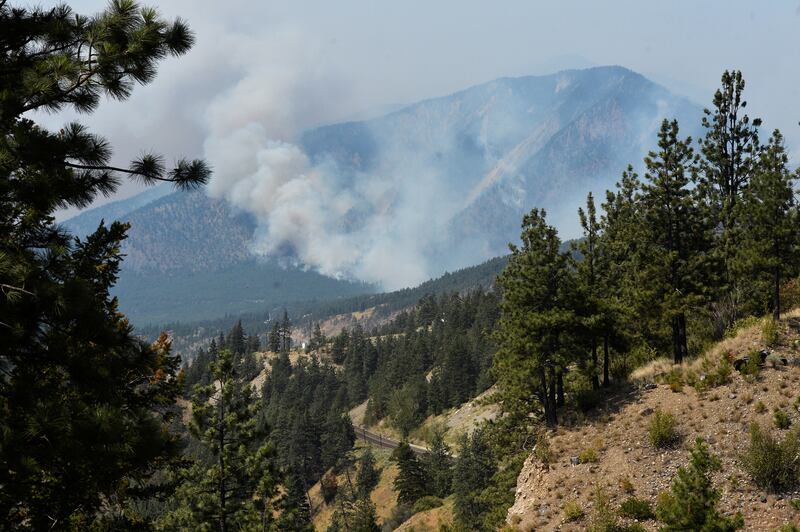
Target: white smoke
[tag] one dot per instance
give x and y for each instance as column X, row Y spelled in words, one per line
column 305, row 211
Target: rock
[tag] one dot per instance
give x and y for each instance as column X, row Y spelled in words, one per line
column 732, row 396
column 645, row 411
column 650, row 386
column 574, row 460
column 763, row 498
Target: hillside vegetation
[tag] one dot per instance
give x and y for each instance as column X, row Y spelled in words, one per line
column 609, row 446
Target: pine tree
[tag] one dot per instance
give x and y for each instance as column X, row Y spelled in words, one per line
column 274, row 339
column 235, row 340
column 368, row 475
column 84, row 401
column 296, row 509
column 537, row 310
column 675, row 237
column 768, row 250
column 595, row 322
column 239, row 482
column 318, row 339
column 412, row 480
column 439, row 464
column 692, row 504
column 730, row 150
column 472, row 473
column 285, row 331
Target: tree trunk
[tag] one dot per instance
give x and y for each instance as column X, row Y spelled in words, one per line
column 595, row 378
column 550, row 411
column 223, row 522
column 776, row 311
column 682, row 340
column 606, row 361
column 560, row 389
column 677, row 353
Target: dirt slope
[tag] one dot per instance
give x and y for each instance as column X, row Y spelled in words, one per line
column 628, row 465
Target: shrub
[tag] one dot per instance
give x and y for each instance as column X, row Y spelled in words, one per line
column 328, row 486
column 588, row 455
column 429, row 502
column 637, row 509
column 675, row 380
column 603, row 518
column 795, row 503
column 772, row 463
column 692, row 502
column 626, row 485
column 770, row 332
column 662, row 430
column 573, row 511
column 760, row 407
column 752, row 367
column 782, row 420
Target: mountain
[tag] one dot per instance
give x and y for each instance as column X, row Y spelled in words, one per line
column 475, row 160
column 503, row 147
column 187, row 258
column 87, row 221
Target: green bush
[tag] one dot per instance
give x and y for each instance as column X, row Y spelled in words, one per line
column 752, row 367
column 429, row 502
column 662, row 430
column 675, row 379
column 772, row 463
column 770, row 332
column 588, row 456
column 637, row 509
column 782, row 420
column 691, row 504
column 573, row 511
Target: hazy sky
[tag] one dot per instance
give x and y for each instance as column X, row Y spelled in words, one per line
column 320, row 61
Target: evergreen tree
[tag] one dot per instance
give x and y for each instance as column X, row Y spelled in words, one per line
column 318, row 339
column 285, row 332
column 413, row 481
column 83, row 401
column 692, row 504
column 595, row 322
column 768, row 250
column 239, row 482
column 537, row 311
column 368, row 475
column 730, row 152
column 472, row 474
column 296, row 509
column 674, row 235
column 439, row 464
column 235, row 340
column 274, row 338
